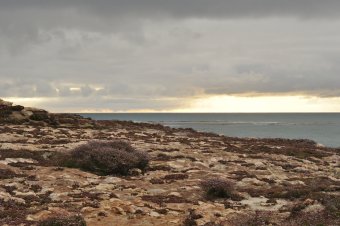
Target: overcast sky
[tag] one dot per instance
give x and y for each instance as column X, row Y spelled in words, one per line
column 163, row 55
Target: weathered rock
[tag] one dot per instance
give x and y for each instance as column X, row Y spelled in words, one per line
column 265, row 175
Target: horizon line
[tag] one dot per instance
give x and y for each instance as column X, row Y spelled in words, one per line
column 162, row 112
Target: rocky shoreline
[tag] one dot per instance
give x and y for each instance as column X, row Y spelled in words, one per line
column 274, row 181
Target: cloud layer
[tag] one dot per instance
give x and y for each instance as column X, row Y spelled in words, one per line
column 150, row 54
column 185, row 8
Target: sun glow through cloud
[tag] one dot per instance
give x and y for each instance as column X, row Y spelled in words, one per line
column 226, row 103
column 222, row 103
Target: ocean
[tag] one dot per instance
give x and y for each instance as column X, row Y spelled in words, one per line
column 324, row 128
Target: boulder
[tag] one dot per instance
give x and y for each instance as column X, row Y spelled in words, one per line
column 5, row 103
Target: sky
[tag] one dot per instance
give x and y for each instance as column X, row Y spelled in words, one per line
column 171, row 56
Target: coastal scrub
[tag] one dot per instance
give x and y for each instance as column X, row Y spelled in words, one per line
column 217, row 188
column 106, row 158
column 76, row 220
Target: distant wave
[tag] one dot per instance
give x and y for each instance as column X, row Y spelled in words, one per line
column 219, row 122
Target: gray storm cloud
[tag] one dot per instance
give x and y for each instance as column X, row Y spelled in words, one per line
column 147, row 53
column 186, row 8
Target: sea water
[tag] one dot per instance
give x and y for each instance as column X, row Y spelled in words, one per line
column 324, row 128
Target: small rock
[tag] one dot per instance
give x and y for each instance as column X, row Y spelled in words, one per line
column 300, row 169
column 314, row 208
column 112, row 180
column 102, row 214
column 252, row 181
column 87, row 209
column 58, row 196
column 154, row 214
column 135, row 172
column 156, row 191
column 308, row 202
column 174, row 221
column 175, row 194
column 118, row 210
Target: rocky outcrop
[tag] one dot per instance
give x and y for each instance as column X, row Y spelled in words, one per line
column 273, row 181
column 16, row 114
column 10, row 113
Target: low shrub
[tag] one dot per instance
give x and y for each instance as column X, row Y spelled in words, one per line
column 7, row 174
column 330, row 215
column 320, row 218
column 39, row 117
column 258, row 218
column 26, row 154
column 75, row 220
column 5, row 112
column 217, row 188
column 190, row 220
column 176, row 176
column 331, row 202
column 17, row 108
column 106, row 158
column 161, row 199
column 13, row 213
column 279, row 192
